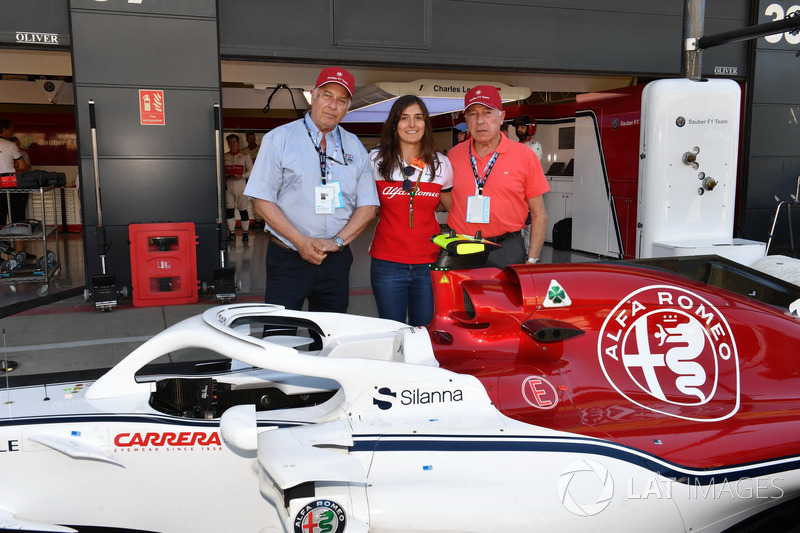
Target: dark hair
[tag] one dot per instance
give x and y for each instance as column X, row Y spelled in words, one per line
column 6, row 123
column 389, row 147
column 233, row 136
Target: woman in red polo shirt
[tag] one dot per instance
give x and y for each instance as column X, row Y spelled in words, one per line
column 411, row 177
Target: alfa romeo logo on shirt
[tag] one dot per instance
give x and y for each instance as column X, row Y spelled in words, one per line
column 320, row 516
column 671, row 351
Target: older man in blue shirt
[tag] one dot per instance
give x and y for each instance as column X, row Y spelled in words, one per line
column 312, row 184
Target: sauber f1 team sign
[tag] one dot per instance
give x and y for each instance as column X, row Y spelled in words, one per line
column 671, row 351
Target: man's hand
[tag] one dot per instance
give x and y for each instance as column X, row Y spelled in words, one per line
column 312, row 250
column 331, row 246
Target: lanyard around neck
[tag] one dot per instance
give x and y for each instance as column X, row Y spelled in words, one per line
column 324, row 158
column 408, row 171
column 481, row 183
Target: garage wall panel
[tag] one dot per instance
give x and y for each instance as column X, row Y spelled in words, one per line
column 43, row 16
column 411, row 24
column 776, row 82
column 179, row 44
column 776, row 131
column 615, row 36
column 773, row 159
column 148, row 173
column 185, row 133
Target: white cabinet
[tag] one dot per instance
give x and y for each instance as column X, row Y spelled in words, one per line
column 558, row 202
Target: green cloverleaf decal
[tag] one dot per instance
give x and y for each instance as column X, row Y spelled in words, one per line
column 556, row 294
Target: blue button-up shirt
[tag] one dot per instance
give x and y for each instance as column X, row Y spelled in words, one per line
column 288, row 169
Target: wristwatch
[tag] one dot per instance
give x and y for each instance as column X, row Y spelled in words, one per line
column 532, row 260
column 338, row 241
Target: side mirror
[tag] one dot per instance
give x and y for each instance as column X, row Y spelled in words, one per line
column 238, row 427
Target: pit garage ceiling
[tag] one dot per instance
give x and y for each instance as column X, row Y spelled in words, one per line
column 376, row 88
column 372, row 103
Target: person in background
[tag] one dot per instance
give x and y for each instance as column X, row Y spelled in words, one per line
column 495, row 183
column 461, row 132
column 411, row 177
column 312, row 184
column 12, row 161
column 525, row 128
column 23, row 151
column 238, row 166
column 252, row 148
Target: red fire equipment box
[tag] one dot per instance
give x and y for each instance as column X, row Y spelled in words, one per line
column 163, row 263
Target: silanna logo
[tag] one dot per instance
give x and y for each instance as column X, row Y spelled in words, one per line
column 387, row 398
column 671, row 351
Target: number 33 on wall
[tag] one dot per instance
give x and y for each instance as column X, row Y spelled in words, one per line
column 776, row 11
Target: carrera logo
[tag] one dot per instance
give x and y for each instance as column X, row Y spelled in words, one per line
column 669, row 350
column 186, row 438
column 414, row 397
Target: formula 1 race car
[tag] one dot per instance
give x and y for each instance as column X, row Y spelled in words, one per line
column 574, row 397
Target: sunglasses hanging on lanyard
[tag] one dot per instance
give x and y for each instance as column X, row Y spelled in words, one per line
column 411, row 189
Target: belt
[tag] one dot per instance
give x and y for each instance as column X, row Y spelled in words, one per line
column 8, row 174
column 273, row 239
column 503, row 237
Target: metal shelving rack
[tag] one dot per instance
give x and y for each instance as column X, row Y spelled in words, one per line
column 48, row 230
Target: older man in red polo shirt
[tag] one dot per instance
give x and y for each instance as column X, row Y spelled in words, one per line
column 495, row 183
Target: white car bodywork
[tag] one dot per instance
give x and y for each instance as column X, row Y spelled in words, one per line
column 397, row 445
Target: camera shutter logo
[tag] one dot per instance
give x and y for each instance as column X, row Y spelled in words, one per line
column 578, row 479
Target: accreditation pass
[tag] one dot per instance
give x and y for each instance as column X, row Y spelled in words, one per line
column 478, row 209
column 324, row 199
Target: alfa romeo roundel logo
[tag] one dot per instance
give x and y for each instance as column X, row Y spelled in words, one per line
column 320, row 516
column 670, row 350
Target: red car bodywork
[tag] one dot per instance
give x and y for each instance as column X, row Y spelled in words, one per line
column 697, row 375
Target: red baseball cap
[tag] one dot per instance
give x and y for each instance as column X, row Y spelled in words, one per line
column 484, row 95
column 336, row 75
